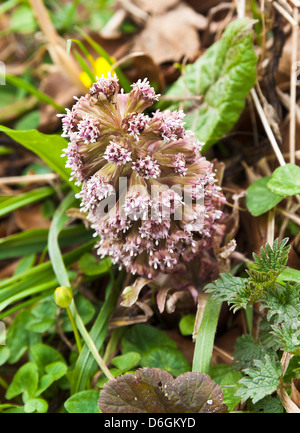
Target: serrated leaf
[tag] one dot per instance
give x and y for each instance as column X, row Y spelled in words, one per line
column 151, row 390
column 285, row 180
column 246, row 351
column 288, row 336
column 262, row 380
column 269, row 404
column 283, row 304
column 259, row 198
column 223, row 76
column 231, row 289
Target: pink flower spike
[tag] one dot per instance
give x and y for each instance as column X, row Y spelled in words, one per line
column 117, row 154
column 146, row 167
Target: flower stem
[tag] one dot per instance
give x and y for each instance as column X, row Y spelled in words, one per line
column 75, row 330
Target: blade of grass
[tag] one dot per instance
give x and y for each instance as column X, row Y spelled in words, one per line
column 29, row 88
column 58, row 265
column 24, row 199
column 48, row 147
column 206, row 335
column 35, row 240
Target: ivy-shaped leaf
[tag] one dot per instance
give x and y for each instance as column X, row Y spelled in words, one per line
column 259, row 198
column 151, row 390
column 222, row 77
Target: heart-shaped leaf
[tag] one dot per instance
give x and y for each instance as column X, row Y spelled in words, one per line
column 285, row 180
column 151, row 390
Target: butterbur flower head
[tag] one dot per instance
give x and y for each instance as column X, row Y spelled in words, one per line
column 148, row 193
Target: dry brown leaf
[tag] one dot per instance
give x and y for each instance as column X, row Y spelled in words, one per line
column 155, row 6
column 31, row 218
column 171, row 36
column 296, row 391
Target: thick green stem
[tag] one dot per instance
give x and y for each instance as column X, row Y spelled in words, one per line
column 206, row 335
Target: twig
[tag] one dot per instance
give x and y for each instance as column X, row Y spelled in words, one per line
column 293, row 91
column 30, row 178
column 182, row 98
column 267, row 127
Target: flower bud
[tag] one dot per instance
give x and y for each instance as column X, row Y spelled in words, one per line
column 63, row 296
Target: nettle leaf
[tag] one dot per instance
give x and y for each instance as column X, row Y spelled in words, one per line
column 269, row 404
column 223, row 77
column 246, row 351
column 283, row 304
column 233, row 290
column 151, row 390
column 285, row 180
column 262, row 380
column 288, row 336
column 259, row 198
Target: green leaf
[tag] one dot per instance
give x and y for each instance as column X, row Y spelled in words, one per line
column 56, row 370
column 83, row 402
column 230, row 289
column 38, row 405
column 90, row 266
column 289, row 274
column 259, row 198
column 26, row 379
column 18, row 338
column 85, row 309
column 26, row 198
column 29, row 88
column 261, row 380
column 246, row 351
column 223, row 76
column 186, row 324
column 127, row 361
column 4, row 354
column 166, row 358
column 227, row 378
column 28, row 121
column 48, row 147
column 141, row 338
column 43, row 356
column 269, row 404
column 285, row 180
column 151, row 390
column 35, row 240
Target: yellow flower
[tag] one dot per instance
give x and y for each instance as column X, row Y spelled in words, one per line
column 100, row 67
